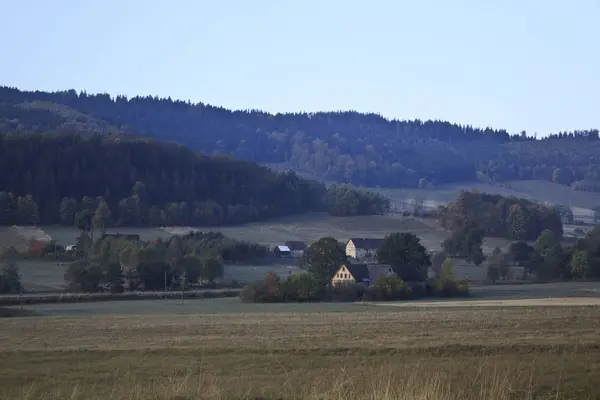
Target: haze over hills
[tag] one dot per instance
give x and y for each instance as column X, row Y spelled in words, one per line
column 345, row 146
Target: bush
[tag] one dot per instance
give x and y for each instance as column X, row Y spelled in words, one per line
column 269, row 290
column 10, row 280
column 302, row 287
column 347, row 292
column 388, row 287
column 451, row 288
column 447, row 286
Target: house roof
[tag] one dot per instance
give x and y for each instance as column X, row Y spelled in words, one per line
column 367, row 243
column 367, row 272
column 295, row 245
column 283, row 248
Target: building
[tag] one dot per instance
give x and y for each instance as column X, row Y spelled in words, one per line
column 363, row 248
column 282, row 251
column 360, row 273
column 296, row 247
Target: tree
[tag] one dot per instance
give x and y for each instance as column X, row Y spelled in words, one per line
column 102, row 217
column 545, row 242
column 389, row 287
column 552, row 262
column 322, row 259
column 520, row 252
column 27, row 210
column 68, row 210
column 212, row 268
column 580, row 266
column 84, row 276
column 466, row 243
column 516, row 221
column 446, row 285
column 84, row 244
column 566, row 213
column 302, row 287
column 192, row 266
column 498, row 266
column 407, row 256
column 113, row 276
column 10, row 279
column 437, row 261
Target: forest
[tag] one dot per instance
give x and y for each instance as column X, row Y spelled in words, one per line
column 500, row 216
column 345, row 147
column 103, row 180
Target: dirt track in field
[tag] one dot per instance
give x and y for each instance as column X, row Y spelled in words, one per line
column 558, row 301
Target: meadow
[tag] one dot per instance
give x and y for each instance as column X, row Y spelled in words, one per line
column 425, row 353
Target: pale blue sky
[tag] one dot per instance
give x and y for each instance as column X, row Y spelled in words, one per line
column 513, row 64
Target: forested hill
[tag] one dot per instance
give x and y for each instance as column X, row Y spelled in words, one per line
column 64, row 178
column 339, row 146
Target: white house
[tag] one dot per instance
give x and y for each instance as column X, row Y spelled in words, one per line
column 363, row 248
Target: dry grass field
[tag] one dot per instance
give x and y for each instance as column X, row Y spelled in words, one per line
column 378, row 353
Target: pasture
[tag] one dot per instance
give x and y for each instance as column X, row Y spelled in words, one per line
column 48, row 276
column 360, row 352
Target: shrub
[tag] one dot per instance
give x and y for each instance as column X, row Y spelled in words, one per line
column 447, row 286
column 388, row 287
column 346, row 292
column 302, row 287
column 269, row 290
column 451, row 288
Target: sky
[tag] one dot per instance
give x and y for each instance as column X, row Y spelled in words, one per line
column 529, row 65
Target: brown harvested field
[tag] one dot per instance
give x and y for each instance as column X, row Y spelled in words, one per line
column 548, row 302
column 454, row 353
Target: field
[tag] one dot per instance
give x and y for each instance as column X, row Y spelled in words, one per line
column 588, row 291
column 324, row 351
column 47, row 276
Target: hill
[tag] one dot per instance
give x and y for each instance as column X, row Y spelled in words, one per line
column 363, row 149
column 69, row 179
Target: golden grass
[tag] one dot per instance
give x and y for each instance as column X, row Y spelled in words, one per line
column 496, row 353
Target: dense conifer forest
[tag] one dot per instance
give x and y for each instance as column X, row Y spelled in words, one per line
column 347, row 147
column 113, row 179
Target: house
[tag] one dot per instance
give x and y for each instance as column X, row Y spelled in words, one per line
column 282, row 251
column 296, row 247
column 363, row 248
column 360, row 273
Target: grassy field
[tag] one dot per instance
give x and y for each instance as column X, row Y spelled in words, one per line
column 47, row 276
column 583, row 290
column 373, row 353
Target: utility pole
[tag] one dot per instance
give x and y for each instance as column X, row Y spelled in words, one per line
column 165, row 287
column 183, row 279
column 21, row 291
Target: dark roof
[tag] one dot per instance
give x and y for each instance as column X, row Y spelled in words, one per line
column 366, row 272
column 360, row 272
column 295, row 245
column 367, row 243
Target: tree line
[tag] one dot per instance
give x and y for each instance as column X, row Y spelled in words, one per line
column 347, row 147
column 549, row 259
column 118, row 263
column 100, row 181
column 498, row 216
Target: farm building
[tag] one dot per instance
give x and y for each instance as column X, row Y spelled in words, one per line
column 360, row 273
column 296, row 247
column 282, row 251
column 363, row 248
